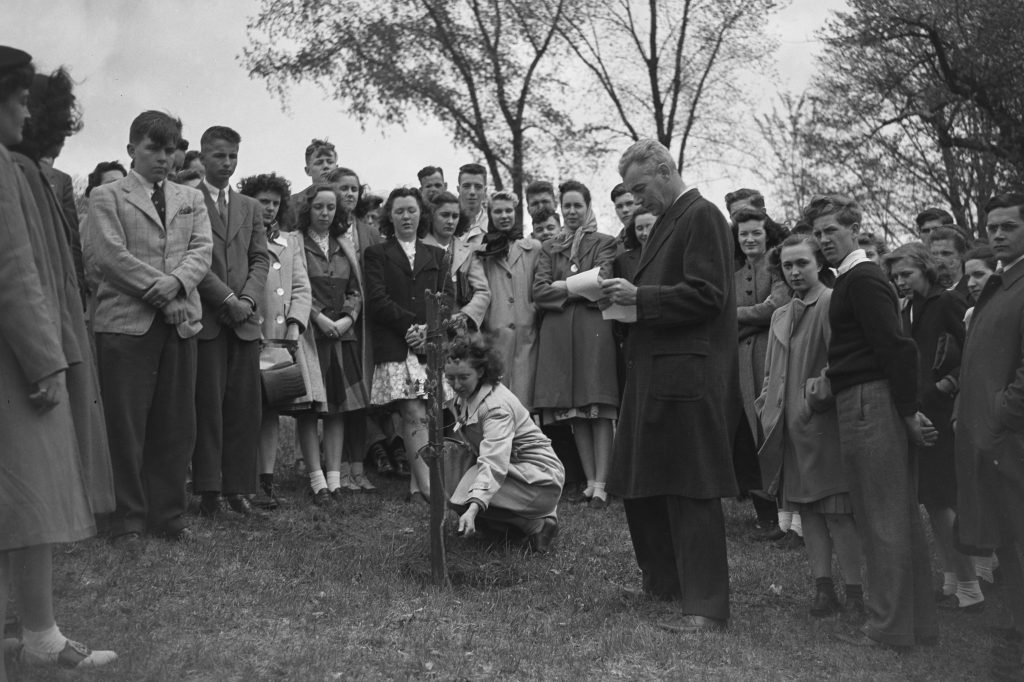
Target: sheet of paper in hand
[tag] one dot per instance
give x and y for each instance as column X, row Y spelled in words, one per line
column 586, row 284
column 620, row 313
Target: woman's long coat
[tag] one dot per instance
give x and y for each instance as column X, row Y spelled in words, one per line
column 797, row 412
column 758, row 294
column 681, row 405
column 512, row 318
column 42, row 490
column 54, row 238
column 288, row 298
column 576, row 363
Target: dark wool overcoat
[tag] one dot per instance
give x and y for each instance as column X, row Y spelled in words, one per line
column 681, row 404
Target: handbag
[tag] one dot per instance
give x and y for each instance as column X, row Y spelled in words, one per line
column 280, row 374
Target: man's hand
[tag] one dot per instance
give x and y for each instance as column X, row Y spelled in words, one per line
column 162, row 291
column 235, row 311
column 176, row 311
column 49, row 392
column 920, row 430
column 618, row 290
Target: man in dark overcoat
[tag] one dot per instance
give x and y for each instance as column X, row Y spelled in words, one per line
column 681, row 405
column 989, row 418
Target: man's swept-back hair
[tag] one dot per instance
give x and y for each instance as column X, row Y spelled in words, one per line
column 646, row 151
column 540, row 187
column 219, row 133
column 158, row 126
column 930, row 214
column 472, row 169
column 846, row 209
column 427, row 171
column 1006, row 200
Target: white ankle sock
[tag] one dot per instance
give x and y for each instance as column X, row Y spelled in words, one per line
column 785, row 520
column 949, row 583
column 796, row 524
column 589, row 490
column 317, row 481
column 599, row 492
column 968, row 592
column 333, row 480
column 983, row 567
column 46, row 642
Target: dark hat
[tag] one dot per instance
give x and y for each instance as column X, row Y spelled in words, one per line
column 13, row 58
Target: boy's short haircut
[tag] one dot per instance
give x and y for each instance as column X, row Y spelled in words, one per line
column 160, row 127
column 318, row 148
column 472, row 169
column 540, row 187
column 544, row 214
column 219, row 133
column 427, row 171
column 618, row 190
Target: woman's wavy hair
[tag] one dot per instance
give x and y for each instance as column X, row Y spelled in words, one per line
column 825, row 274
column 101, row 169
column 267, row 182
column 387, row 228
column 55, row 115
column 774, row 233
column 478, row 351
column 339, row 225
column 918, row 255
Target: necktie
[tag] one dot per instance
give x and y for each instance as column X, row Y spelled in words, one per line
column 159, row 203
column 222, row 207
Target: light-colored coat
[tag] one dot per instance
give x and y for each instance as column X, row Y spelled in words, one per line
column 129, row 248
column 239, row 264
column 512, row 315
column 990, row 406
column 287, row 298
column 516, row 468
column 796, row 409
column 467, row 272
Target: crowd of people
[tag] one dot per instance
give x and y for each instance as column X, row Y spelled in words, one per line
column 153, row 342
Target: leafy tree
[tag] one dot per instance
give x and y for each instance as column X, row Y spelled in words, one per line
column 480, row 66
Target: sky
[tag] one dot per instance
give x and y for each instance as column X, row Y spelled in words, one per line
column 183, row 56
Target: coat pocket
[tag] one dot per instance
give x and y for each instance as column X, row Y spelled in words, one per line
column 678, row 376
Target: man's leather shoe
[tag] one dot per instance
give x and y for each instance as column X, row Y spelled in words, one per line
column 689, row 625
column 211, row 504
column 240, row 505
column 541, row 541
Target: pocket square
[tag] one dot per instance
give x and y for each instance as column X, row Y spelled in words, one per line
column 185, row 210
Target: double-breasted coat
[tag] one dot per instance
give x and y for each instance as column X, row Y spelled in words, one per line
column 286, row 300
column 512, row 315
column 39, row 455
column 796, row 409
column 681, row 404
column 990, row 406
column 576, row 346
column 472, row 293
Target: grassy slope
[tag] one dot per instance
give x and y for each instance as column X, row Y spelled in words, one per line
column 343, row 594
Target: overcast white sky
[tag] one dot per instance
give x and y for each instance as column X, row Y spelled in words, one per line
column 182, row 56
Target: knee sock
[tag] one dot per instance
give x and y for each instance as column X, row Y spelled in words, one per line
column 333, row 480
column 796, row 525
column 599, row 493
column 589, row 490
column 45, row 642
column 317, row 481
column 968, row 592
column 785, row 520
column 948, row 583
column 983, row 567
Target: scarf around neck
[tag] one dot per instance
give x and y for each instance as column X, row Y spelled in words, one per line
column 572, row 240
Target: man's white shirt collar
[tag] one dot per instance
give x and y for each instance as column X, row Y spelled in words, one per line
column 855, row 257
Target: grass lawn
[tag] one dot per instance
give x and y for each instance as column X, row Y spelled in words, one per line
column 343, row 593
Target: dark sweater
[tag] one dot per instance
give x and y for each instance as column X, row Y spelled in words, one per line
column 867, row 342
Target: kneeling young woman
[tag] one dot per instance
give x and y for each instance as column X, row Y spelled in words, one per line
column 516, row 478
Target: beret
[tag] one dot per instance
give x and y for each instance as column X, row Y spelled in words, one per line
column 12, row 58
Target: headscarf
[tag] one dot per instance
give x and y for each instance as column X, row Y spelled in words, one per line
column 567, row 238
column 495, row 242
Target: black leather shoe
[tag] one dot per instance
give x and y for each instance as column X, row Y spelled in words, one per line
column 211, row 504
column 824, row 604
column 541, row 541
column 240, row 505
column 322, row 498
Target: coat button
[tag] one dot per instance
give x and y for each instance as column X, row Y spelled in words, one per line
column 512, row 325
column 276, row 266
column 508, row 275
column 279, row 319
column 511, row 300
column 280, row 291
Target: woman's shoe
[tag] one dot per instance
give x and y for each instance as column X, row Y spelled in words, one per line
column 379, row 456
column 951, row 602
column 322, row 498
column 598, row 503
column 349, row 484
column 72, row 656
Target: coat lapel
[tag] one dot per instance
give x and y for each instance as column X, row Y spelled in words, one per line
column 234, row 215
column 141, row 199
column 397, row 256
column 174, row 198
column 211, row 208
column 663, row 228
column 353, row 259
